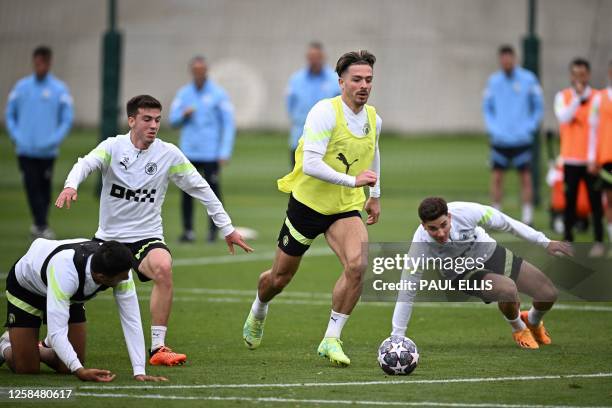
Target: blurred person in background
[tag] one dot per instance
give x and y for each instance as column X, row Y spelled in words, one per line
column 601, row 127
column 512, row 107
column 203, row 111
column 38, row 117
column 578, row 149
column 309, row 85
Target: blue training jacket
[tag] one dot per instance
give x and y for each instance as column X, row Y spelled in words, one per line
column 512, row 107
column 304, row 90
column 208, row 134
column 38, row 116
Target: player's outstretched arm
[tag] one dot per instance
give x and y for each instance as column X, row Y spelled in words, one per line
column 560, row 248
column 151, row 378
column 94, row 374
column 67, row 196
column 372, row 207
column 236, row 238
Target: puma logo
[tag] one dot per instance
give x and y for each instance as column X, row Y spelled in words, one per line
column 342, row 158
column 335, row 319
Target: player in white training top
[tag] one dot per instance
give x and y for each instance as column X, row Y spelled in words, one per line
column 458, row 229
column 50, row 284
column 136, row 168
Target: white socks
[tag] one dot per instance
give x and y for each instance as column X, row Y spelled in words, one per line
column 517, row 324
column 259, row 308
column 527, row 216
column 158, row 337
column 336, row 323
column 535, row 316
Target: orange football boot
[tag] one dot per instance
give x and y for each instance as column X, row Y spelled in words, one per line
column 525, row 339
column 539, row 332
column 165, row 356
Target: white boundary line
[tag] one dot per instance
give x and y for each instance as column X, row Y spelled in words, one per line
column 321, row 401
column 318, row 299
column 346, row 384
column 263, row 256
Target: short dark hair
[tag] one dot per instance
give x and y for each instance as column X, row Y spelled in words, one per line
column 197, row 58
column 432, row 208
column 111, row 259
column 580, row 62
column 42, row 51
column 317, row 45
column 361, row 57
column 141, row 101
column 505, row 49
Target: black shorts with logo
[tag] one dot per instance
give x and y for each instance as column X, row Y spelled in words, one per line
column 303, row 224
column 27, row 309
column 140, row 249
column 502, row 262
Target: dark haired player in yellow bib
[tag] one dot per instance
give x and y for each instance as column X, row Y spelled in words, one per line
column 336, row 157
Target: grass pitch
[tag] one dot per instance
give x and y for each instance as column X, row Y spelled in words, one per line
column 467, row 354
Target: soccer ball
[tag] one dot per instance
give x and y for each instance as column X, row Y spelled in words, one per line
column 398, row 355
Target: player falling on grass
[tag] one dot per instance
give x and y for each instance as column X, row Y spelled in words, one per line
column 136, row 168
column 336, row 157
column 446, row 230
column 50, row 284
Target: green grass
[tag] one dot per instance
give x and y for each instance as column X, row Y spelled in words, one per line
column 207, row 318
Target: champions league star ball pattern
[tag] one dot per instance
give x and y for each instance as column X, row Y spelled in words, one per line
column 398, row 355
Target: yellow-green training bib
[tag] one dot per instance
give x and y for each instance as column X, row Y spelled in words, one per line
column 346, row 153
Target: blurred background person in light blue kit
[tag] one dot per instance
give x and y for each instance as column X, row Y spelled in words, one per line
column 38, row 117
column 512, row 107
column 309, row 85
column 203, row 111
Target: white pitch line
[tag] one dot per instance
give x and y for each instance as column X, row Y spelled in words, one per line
column 326, row 296
column 282, row 300
column 349, row 383
column 312, row 301
column 330, row 402
column 263, row 256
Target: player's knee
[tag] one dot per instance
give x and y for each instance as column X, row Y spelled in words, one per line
column 355, row 267
column 507, row 292
column 280, row 281
column 548, row 293
column 163, row 273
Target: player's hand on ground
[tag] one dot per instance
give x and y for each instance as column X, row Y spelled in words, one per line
column 67, row 196
column 372, row 207
column 560, row 248
column 94, row 374
column 366, row 178
column 152, row 378
column 236, row 238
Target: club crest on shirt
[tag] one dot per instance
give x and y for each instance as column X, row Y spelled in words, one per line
column 151, row 168
column 366, row 128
